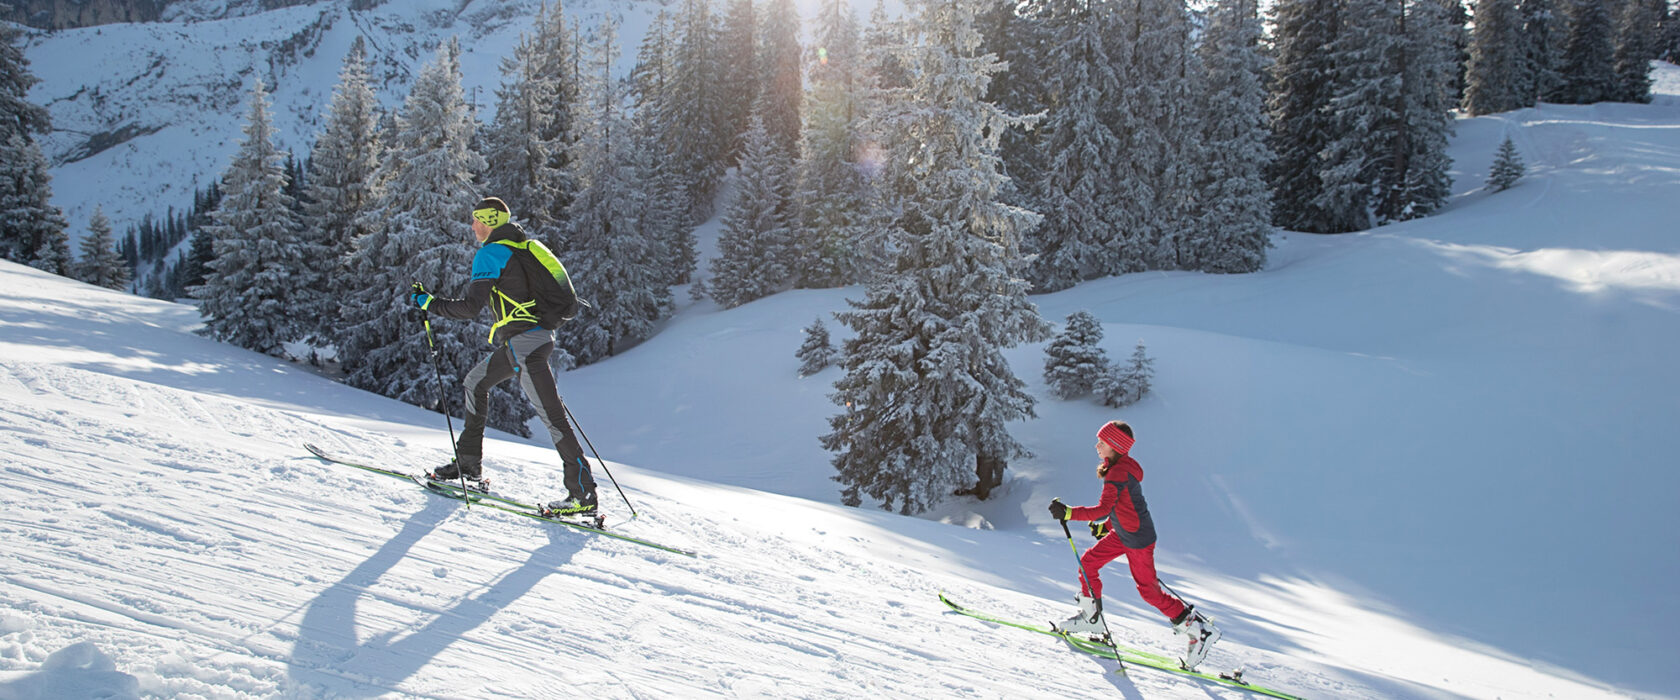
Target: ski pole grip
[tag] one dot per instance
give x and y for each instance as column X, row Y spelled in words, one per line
column 1066, row 530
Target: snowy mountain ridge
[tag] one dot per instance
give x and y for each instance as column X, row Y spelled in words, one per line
column 144, row 113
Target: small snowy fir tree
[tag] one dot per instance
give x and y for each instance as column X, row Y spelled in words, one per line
column 1507, row 167
column 817, row 353
column 1073, row 362
column 53, row 255
column 100, row 264
column 1123, row 386
column 250, row 293
column 753, row 252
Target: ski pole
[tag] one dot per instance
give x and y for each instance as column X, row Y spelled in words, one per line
column 1108, row 637
column 603, row 462
column 443, row 400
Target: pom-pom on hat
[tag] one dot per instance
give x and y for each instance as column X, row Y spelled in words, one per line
column 1117, row 435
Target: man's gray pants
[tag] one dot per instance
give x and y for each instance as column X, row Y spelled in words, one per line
column 526, row 356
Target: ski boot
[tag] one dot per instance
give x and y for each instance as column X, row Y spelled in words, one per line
column 453, row 472
column 1202, row 634
column 1087, row 621
column 574, row 508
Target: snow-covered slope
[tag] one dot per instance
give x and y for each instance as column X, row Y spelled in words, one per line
column 1434, row 460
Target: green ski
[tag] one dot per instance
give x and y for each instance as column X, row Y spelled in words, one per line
column 496, row 502
column 1125, row 655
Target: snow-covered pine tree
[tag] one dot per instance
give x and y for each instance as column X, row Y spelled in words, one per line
column 1588, row 70
column 1668, row 44
column 99, row 264
column 1387, row 160
column 1234, row 211
column 17, row 114
column 1366, row 83
column 251, row 291
column 31, row 226
column 521, row 164
column 754, row 250
column 343, row 189
column 613, row 252
column 1153, row 118
column 1078, row 238
column 783, row 90
column 1018, row 33
column 1494, row 78
column 1638, row 26
column 1074, row 360
column 1301, row 116
column 817, row 352
column 883, row 42
column 697, row 144
column 1507, row 168
column 927, row 390
column 1123, row 386
column 53, row 255
column 555, row 58
column 738, row 55
column 832, row 195
column 651, row 82
column 1415, row 178
column 654, row 113
column 422, row 236
column 1543, row 32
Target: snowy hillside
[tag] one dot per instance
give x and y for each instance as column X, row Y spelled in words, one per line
column 1433, row 460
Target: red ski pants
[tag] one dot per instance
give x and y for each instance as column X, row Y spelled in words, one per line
column 1142, row 562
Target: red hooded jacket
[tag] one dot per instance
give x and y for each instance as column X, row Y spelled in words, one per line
column 1122, row 504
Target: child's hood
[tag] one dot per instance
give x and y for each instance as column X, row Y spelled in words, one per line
column 1123, row 468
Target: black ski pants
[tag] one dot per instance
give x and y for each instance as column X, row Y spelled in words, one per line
column 526, row 356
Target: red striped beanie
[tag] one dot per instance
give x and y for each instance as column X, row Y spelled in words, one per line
column 1115, row 437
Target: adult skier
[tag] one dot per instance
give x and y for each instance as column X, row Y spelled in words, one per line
column 1123, row 527
column 530, row 295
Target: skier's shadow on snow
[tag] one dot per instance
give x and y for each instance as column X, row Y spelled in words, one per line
column 327, row 655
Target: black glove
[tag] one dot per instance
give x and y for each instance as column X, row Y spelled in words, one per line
column 1100, row 529
column 1058, row 509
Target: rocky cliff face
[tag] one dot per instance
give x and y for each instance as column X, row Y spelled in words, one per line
column 64, row 14
column 70, row 14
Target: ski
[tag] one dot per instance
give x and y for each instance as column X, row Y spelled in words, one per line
column 1125, row 655
column 593, row 524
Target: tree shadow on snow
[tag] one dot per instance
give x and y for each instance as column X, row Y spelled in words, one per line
column 328, row 655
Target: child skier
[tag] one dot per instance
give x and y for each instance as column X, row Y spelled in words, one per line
column 1123, row 506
